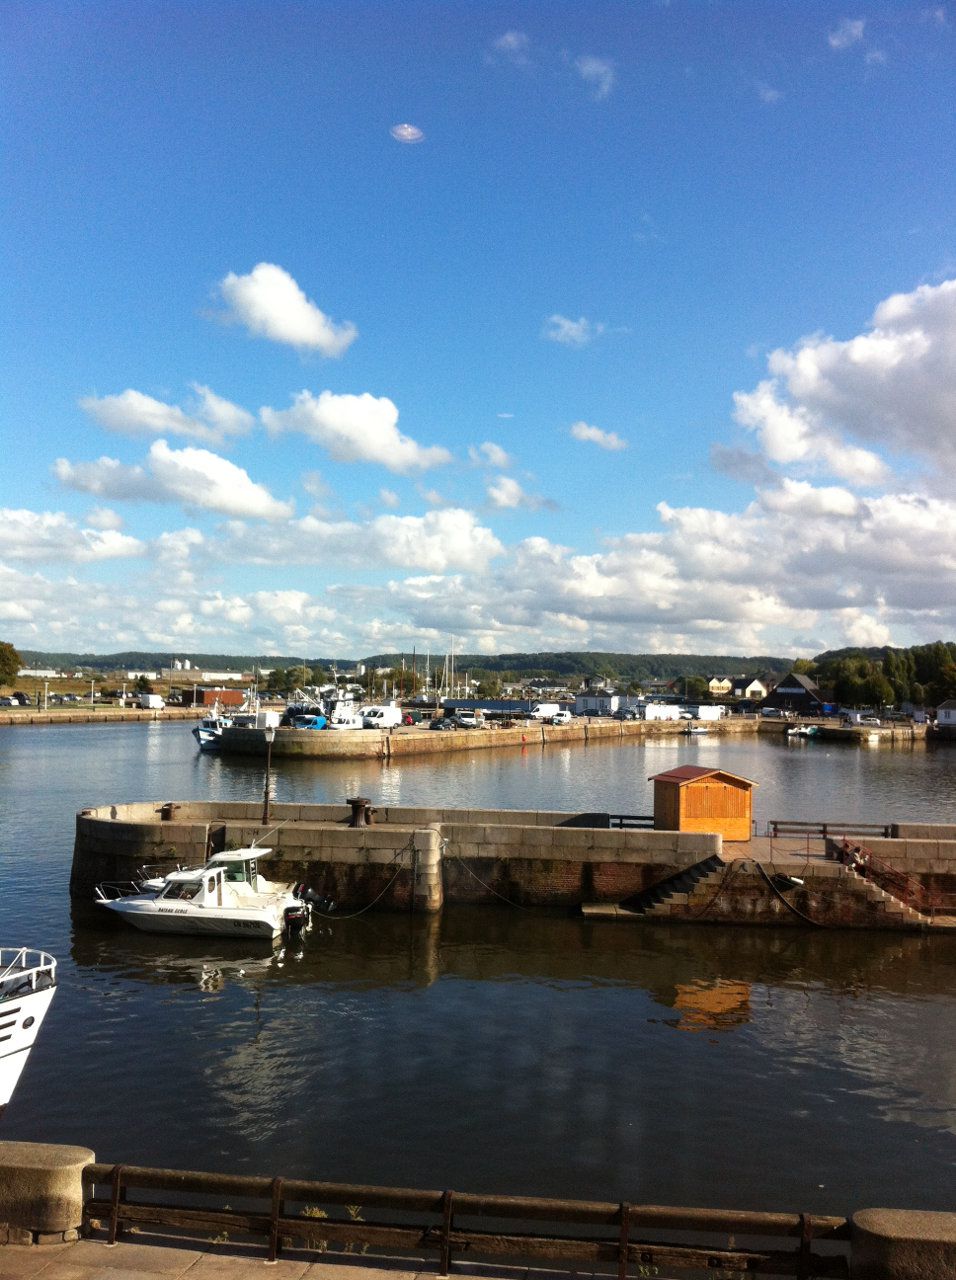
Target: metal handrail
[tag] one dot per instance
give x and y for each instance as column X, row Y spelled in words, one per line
column 624, row 820
column 891, row 879
column 434, row 1220
column 775, row 827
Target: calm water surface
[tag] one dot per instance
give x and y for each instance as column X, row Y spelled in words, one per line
column 494, row 1048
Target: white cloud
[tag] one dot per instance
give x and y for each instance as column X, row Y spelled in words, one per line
column 38, row 536
column 594, row 435
column 801, row 497
column 515, row 46
column 490, row 454
column 270, row 304
column 210, row 419
column 848, row 32
column 768, row 94
column 103, row 518
column 389, row 498
column 408, row 134
column 598, row 73
column 434, row 542
column 571, row 333
column 353, row 428
column 195, row 478
column 893, row 387
column 506, row 494
column 790, row 433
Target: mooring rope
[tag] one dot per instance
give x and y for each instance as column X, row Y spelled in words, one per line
column 490, row 888
column 411, row 848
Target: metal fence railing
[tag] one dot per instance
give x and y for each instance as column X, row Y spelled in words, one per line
column 325, row 1215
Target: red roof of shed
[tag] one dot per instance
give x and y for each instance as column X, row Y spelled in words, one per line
column 691, row 772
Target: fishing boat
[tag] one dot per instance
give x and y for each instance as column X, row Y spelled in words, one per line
column 27, row 986
column 226, row 898
column 803, row 731
column 695, row 730
column 208, row 733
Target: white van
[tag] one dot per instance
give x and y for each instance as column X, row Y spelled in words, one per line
column 151, row 702
column 544, row 710
column 381, row 717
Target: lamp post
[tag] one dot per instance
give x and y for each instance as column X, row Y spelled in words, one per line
column 269, row 735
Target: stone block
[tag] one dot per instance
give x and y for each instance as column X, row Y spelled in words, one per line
column 568, row 838
column 41, row 1189
column 902, row 1244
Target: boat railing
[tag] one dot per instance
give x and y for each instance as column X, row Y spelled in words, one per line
column 327, row 1217
column 113, row 890
column 25, row 969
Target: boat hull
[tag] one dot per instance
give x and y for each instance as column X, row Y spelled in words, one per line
column 238, row 923
column 21, row 1016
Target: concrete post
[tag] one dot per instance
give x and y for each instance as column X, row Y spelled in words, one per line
column 41, row 1191
column 428, row 889
column 903, row 1244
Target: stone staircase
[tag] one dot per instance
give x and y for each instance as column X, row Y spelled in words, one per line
column 894, row 908
column 658, row 901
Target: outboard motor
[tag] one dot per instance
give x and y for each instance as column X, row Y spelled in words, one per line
column 313, row 899
column 294, row 919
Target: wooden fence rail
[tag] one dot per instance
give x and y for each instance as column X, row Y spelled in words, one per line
column 443, row 1221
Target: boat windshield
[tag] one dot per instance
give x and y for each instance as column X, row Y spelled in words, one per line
column 182, row 889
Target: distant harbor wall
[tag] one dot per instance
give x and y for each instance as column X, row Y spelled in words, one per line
column 420, row 858
column 394, row 744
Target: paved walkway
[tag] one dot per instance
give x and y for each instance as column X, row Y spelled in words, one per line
column 159, row 1258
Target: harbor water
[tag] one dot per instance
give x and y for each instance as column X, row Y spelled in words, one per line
column 492, row 1049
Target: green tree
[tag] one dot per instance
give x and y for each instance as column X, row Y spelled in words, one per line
column 298, row 676
column 695, row 688
column 142, row 685
column 10, row 663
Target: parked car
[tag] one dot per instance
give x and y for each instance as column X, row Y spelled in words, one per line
column 8, row 702
column 441, row 722
column 871, row 722
column 468, row 719
column 561, row 717
column 625, row 713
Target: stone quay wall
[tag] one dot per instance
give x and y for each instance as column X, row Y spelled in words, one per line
column 408, row 858
column 411, row 740
column 419, row 858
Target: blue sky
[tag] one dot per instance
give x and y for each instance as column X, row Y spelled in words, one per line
column 640, row 336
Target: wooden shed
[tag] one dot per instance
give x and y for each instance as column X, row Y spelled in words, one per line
column 694, row 798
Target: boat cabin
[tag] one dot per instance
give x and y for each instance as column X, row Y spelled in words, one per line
column 203, row 887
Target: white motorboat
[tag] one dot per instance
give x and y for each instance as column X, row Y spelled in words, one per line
column 226, row 898
column 27, row 985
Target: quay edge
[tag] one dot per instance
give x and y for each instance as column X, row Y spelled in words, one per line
column 419, row 859
column 47, row 1198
